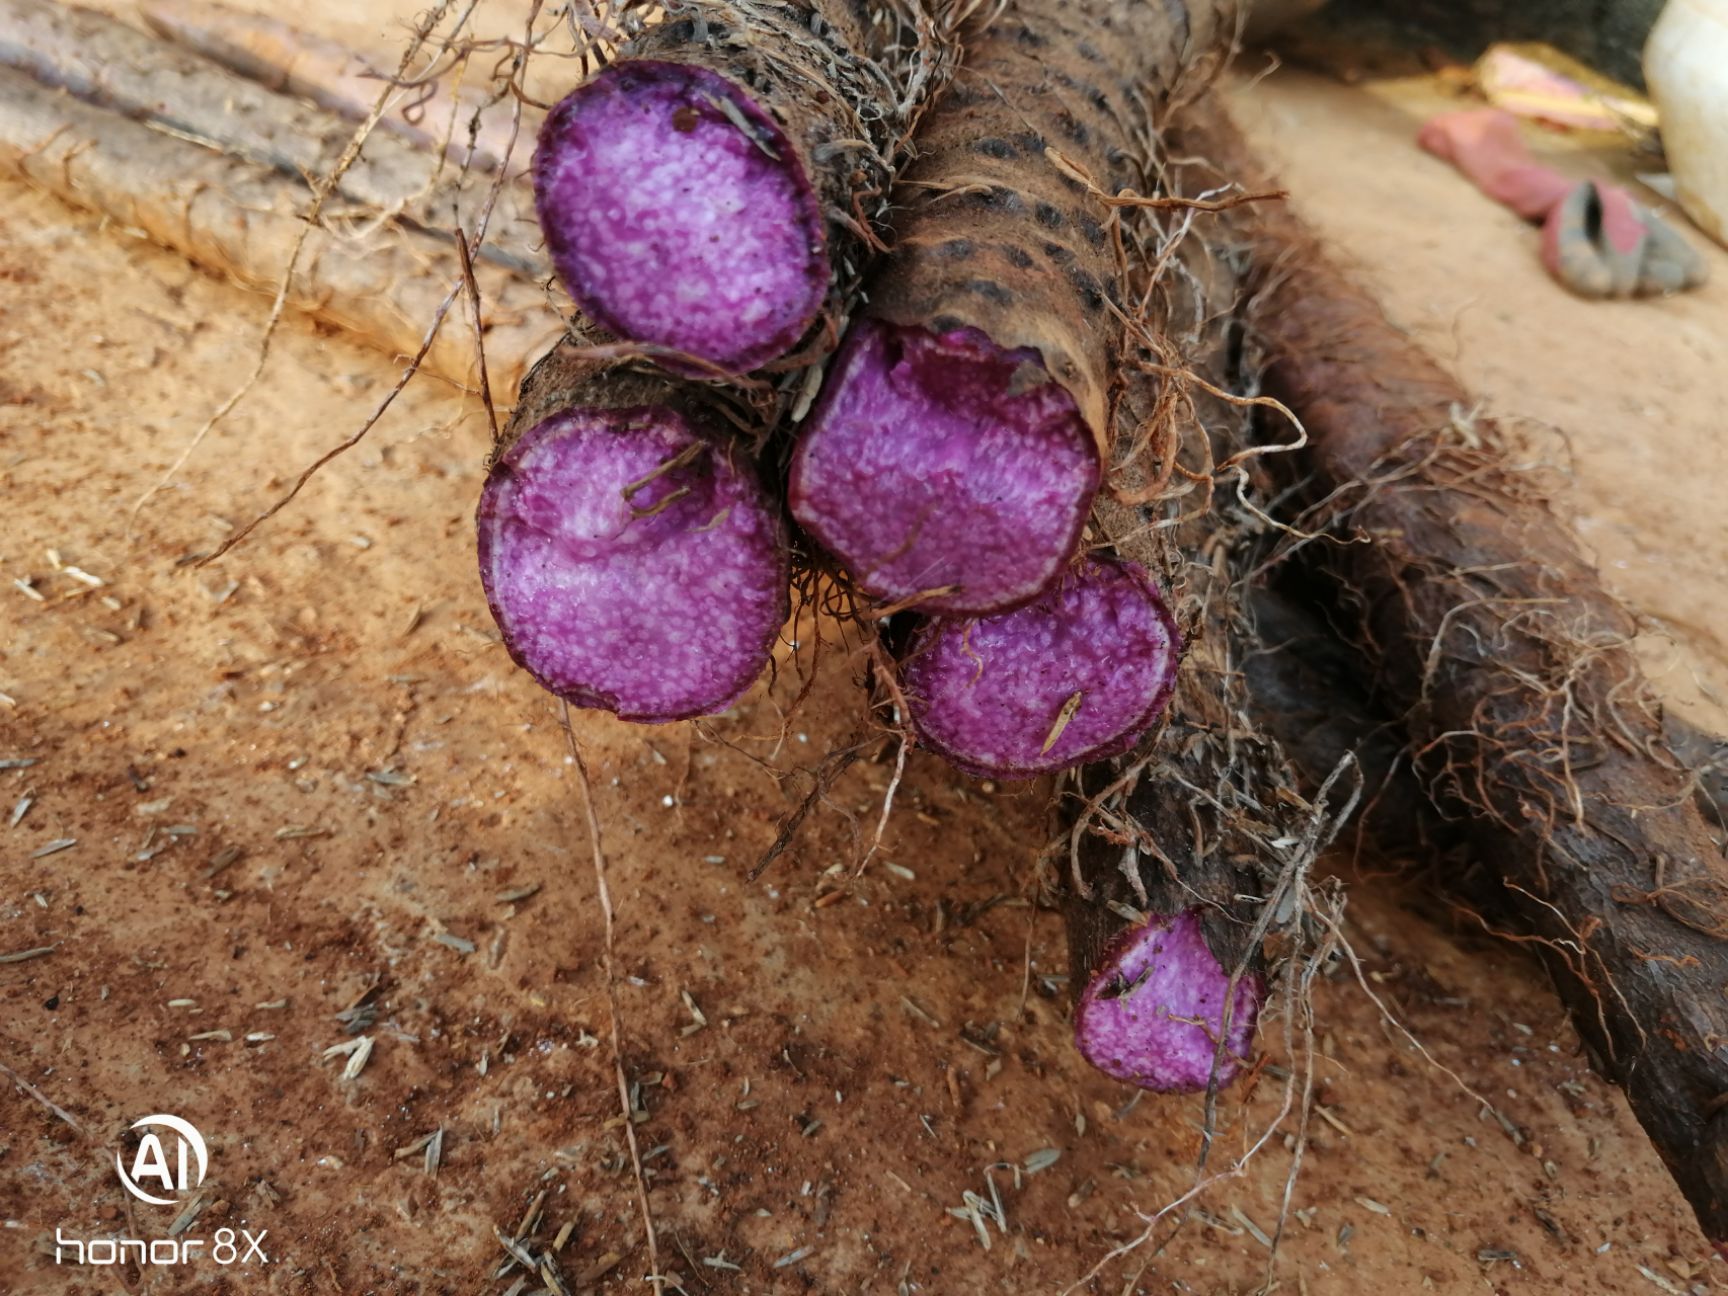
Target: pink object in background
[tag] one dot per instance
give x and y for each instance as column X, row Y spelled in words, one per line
column 1596, row 240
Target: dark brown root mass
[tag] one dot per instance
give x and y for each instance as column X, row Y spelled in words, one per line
column 1512, row 671
column 1206, row 821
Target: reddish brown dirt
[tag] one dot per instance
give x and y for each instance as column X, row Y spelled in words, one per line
column 329, row 701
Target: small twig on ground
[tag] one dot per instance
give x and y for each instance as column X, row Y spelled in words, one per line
column 321, row 191
column 887, row 808
column 826, row 774
column 40, row 1097
column 615, row 1013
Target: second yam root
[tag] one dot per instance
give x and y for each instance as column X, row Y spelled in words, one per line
column 1513, row 673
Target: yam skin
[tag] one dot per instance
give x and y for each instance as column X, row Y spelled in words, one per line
column 713, row 189
column 999, row 235
column 1512, row 669
column 630, row 556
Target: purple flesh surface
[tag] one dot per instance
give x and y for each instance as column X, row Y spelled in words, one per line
column 654, row 615
column 937, row 461
column 1153, row 1011
column 668, row 224
column 986, row 693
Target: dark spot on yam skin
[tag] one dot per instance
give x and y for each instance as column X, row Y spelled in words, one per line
column 1018, row 258
column 964, row 95
column 946, row 324
column 958, row 249
column 998, row 198
column 1090, row 230
column 1029, row 38
column 1048, row 215
column 1090, row 297
column 1057, row 253
column 1090, row 52
column 996, row 148
column 1075, row 129
column 1099, row 99
column 991, row 291
column 1031, row 143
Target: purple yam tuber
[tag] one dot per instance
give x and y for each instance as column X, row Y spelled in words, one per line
column 1153, row 1013
column 678, row 212
column 1078, row 675
column 717, row 189
column 945, row 481
column 630, row 563
column 1002, row 237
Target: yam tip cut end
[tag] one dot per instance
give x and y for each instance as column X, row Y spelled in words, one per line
column 947, row 473
column 630, row 565
column 1153, row 1011
column 1079, row 674
column 678, row 213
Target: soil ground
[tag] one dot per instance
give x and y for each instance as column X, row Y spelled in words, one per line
column 307, row 777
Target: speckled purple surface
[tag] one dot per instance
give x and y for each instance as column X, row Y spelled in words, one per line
column 986, row 692
column 1153, row 1011
column 943, row 460
column 669, row 224
column 656, row 617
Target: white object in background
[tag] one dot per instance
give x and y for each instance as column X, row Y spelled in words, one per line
column 1686, row 68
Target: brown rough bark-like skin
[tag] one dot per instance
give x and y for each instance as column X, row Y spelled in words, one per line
column 1305, row 689
column 1513, row 670
column 1190, row 849
column 569, row 375
column 841, row 79
column 992, row 233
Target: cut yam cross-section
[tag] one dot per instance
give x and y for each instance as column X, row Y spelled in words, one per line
column 630, row 565
column 950, row 474
column 1153, row 1013
column 678, row 213
column 1078, row 675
